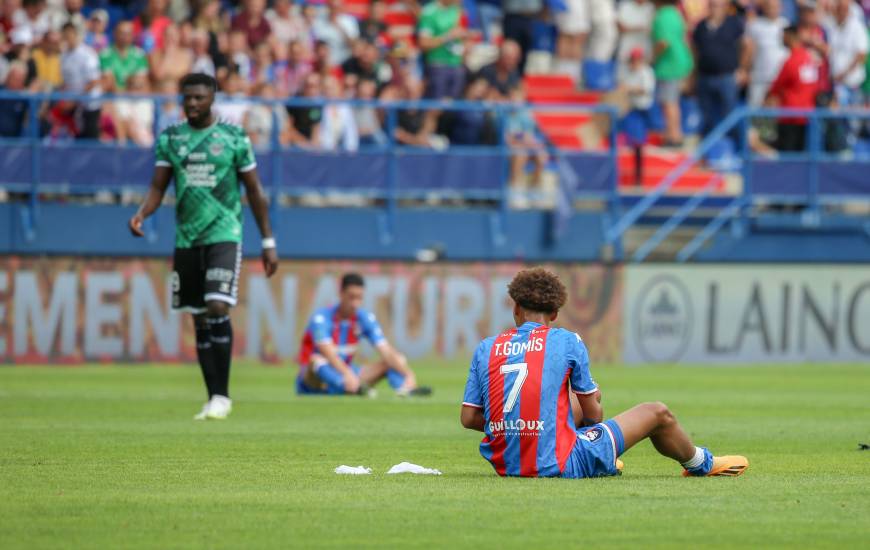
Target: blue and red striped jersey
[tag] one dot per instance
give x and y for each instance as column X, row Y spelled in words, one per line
column 326, row 325
column 521, row 379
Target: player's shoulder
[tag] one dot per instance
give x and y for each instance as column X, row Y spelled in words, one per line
column 231, row 128
column 364, row 315
column 322, row 315
column 567, row 336
column 175, row 129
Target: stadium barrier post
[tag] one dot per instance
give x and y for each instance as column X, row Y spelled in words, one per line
column 392, row 177
column 499, row 221
column 746, row 170
column 29, row 220
column 275, row 153
column 815, row 144
column 613, row 201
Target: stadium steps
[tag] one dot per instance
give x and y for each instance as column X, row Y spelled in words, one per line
column 667, row 250
column 565, row 130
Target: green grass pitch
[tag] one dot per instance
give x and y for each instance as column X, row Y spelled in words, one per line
column 109, row 457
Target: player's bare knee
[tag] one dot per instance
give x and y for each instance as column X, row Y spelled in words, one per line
column 215, row 308
column 663, row 414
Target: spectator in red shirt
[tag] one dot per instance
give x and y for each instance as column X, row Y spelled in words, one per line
column 150, row 25
column 252, row 22
column 796, row 87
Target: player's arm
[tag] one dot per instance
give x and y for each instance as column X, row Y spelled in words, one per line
column 586, row 399
column 397, row 362
column 472, row 418
column 587, row 409
column 260, row 209
column 329, row 352
column 159, row 184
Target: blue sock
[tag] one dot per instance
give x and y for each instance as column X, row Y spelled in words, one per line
column 705, row 466
column 333, row 379
column 395, row 379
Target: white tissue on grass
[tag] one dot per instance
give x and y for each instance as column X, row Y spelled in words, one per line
column 353, row 470
column 408, row 468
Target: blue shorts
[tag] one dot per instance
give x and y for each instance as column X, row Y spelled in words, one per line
column 595, row 452
column 331, row 381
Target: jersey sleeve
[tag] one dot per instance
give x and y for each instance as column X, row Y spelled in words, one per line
column 371, row 328
column 473, row 396
column 578, row 361
column 161, row 151
column 245, row 160
column 318, row 326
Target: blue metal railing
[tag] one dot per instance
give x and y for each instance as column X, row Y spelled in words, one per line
column 777, row 187
column 395, row 181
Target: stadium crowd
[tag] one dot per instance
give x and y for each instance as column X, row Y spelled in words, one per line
column 795, row 53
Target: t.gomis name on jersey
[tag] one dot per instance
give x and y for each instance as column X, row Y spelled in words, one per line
column 516, row 348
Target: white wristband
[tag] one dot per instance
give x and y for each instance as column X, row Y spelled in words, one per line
column 268, row 242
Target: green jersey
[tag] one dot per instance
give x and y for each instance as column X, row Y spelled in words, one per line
column 436, row 20
column 205, row 165
column 123, row 67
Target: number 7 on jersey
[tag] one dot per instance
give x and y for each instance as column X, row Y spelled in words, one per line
column 522, row 370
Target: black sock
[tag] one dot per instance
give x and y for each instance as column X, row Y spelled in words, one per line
column 222, row 349
column 205, row 356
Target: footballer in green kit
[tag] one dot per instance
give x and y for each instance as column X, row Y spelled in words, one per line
column 207, row 159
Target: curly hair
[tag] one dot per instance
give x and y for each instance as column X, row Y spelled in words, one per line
column 538, row 290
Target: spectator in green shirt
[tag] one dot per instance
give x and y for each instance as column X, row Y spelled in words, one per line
column 122, row 59
column 442, row 41
column 673, row 64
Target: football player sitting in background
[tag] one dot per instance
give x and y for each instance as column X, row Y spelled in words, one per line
column 330, row 342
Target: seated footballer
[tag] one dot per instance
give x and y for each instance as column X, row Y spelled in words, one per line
column 330, row 343
column 519, row 394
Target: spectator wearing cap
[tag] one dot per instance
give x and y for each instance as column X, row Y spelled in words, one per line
column 847, row 36
column 252, row 22
column 638, row 80
column 122, row 59
column 795, row 87
column 95, row 34
column 80, row 67
column 719, row 42
column 441, row 37
column 766, row 50
column 673, row 64
column 150, row 26
column 503, row 74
